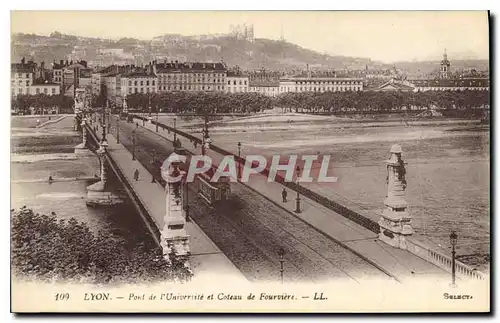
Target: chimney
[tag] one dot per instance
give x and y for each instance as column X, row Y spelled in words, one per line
column 23, row 61
column 61, row 62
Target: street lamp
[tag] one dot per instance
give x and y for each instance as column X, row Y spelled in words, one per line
column 156, row 118
column 133, row 144
column 186, row 208
column 175, row 133
column 281, row 253
column 149, row 103
column 103, row 132
column 239, row 161
column 453, row 241
column 297, row 200
column 118, row 130
column 205, row 143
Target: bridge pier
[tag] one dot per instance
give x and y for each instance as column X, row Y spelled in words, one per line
column 395, row 222
column 97, row 195
column 174, row 238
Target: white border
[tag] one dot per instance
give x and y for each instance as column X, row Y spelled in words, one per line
column 189, row 5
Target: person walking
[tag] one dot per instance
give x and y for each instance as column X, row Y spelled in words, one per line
column 283, row 195
column 136, row 175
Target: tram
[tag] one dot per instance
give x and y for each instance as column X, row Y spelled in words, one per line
column 212, row 192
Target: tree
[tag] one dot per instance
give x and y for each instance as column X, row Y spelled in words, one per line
column 45, row 248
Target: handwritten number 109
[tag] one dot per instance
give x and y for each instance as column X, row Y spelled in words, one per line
column 62, row 297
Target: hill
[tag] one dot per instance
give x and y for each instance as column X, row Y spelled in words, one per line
column 271, row 54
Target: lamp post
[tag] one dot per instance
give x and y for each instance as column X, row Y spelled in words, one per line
column 118, row 130
column 103, row 132
column 453, row 241
column 156, row 118
column 205, row 143
column 239, row 162
column 149, row 103
column 297, row 200
column 281, row 253
column 133, row 144
column 186, row 208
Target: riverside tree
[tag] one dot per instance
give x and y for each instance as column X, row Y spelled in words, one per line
column 45, row 248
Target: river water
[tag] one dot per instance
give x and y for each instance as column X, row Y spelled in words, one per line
column 37, row 154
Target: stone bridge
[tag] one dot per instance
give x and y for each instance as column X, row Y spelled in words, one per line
column 388, row 245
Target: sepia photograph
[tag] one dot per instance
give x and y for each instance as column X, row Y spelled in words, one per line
column 250, row 161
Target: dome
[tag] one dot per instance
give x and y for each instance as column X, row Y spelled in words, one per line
column 396, row 149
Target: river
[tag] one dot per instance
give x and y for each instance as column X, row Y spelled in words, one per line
column 37, row 153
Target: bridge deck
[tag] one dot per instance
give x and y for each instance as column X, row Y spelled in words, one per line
column 401, row 264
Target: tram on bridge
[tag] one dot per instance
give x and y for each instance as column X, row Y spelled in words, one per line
column 212, row 192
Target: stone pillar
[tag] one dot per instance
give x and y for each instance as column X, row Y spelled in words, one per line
column 395, row 222
column 82, row 149
column 97, row 195
column 174, row 238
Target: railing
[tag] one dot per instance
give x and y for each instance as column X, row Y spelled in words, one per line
column 442, row 261
column 318, row 198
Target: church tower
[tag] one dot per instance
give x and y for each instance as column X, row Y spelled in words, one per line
column 445, row 66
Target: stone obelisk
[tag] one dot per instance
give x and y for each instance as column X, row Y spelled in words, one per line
column 395, row 222
column 174, row 238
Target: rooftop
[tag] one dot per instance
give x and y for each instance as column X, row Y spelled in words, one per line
column 466, row 82
column 193, row 66
column 264, row 83
column 139, row 74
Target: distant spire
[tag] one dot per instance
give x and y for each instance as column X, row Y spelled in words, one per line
column 445, row 55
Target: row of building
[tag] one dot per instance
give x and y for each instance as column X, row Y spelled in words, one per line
column 115, row 82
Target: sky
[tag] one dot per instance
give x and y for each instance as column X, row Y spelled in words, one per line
column 386, row 36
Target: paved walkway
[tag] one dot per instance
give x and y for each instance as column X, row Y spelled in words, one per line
column 399, row 263
column 206, row 258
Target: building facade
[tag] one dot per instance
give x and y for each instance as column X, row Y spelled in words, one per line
column 190, row 77
column 45, row 88
column 237, row 83
column 320, row 84
column 472, row 84
column 138, row 82
column 22, row 77
column 269, row 88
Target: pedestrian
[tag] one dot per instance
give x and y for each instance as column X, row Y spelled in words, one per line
column 283, row 195
column 136, row 175
column 50, row 180
column 152, row 178
column 195, row 144
column 137, row 124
